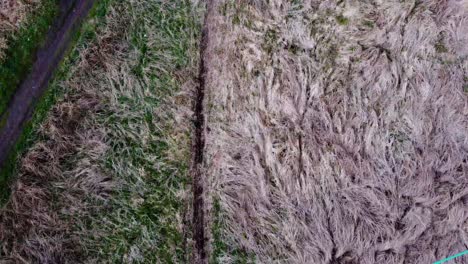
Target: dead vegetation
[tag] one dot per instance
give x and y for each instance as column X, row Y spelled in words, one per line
column 337, row 131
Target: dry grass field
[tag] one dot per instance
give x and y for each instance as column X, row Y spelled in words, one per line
column 337, row 131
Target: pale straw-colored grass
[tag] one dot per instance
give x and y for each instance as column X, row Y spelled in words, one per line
column 337, row 131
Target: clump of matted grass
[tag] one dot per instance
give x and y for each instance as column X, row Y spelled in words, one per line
column 337, row 131
column 106, row 180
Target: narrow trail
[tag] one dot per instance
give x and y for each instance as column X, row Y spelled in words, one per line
column 21, row 106
column 199, row 219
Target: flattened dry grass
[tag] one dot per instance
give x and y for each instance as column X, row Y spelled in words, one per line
column 337, row 131
column 112, row 154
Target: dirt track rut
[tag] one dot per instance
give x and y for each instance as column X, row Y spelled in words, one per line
column 199, row 221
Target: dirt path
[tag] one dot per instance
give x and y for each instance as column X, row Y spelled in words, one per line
column 48, row 58
column 199, row 220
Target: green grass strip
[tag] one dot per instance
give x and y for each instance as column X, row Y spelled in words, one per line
column 161, row 37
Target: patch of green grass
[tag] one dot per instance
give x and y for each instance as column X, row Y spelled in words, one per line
column 238, row 13
column 29, row 134
column 342, row 20
column 270, row 40
column 221, row 247
column 296, row 2
column 368, row 23
column 22, row 47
